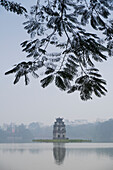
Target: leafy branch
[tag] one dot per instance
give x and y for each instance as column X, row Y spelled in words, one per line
column 13, row 7
column 64, row 49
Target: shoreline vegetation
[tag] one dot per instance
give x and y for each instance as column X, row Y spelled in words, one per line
column 60, row 140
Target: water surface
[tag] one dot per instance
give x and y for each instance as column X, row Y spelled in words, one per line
column 48, row 156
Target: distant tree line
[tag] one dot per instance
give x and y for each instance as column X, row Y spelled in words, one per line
column 97, row 132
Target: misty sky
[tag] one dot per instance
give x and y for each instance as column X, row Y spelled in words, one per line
column 20, row 103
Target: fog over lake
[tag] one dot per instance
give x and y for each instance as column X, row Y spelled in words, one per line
column 42, row 156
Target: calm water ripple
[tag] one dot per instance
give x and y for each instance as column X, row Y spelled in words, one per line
column 48, row 156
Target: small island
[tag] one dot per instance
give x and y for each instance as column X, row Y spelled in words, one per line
column 61, row 140
column 59, row 134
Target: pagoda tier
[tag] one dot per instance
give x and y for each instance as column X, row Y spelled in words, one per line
column 59, row 129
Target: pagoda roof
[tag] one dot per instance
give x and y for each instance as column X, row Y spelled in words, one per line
column 59, row 119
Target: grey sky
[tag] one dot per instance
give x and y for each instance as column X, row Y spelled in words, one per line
column 20, row 103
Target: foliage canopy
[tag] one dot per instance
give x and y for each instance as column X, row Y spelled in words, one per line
column 67, row 38
column 13, row 7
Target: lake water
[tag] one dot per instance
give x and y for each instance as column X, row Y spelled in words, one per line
column 48, row 156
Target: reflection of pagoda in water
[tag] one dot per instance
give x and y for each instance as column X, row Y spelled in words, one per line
column 59, row 152
column 59, row 129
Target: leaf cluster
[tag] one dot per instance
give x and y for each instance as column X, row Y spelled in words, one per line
column 13, row 7
column 89, row 84
column 22, row 69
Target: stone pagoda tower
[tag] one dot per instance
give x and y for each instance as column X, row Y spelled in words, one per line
column 59, row 129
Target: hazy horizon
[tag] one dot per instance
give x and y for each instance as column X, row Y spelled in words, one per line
column 20, row 103
column 66, row 121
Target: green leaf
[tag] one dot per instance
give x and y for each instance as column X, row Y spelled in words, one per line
column 65, row 75
column 17, row 77
column 94, row 74
column 73, row 58
column 26, row 79
column 102, row 87
column 89, row 61
column 97, row 80
column 35, row 75
column 98, row 90
column 72, row 63
column 72, row 89
column 60, row 83
column 100, row 21
column 81, row 79
column 46, row 81
column 97, row 93
column 92, row 69
column 23, row 44
column 42, row 50
column 49, row 70
column 94, row 22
